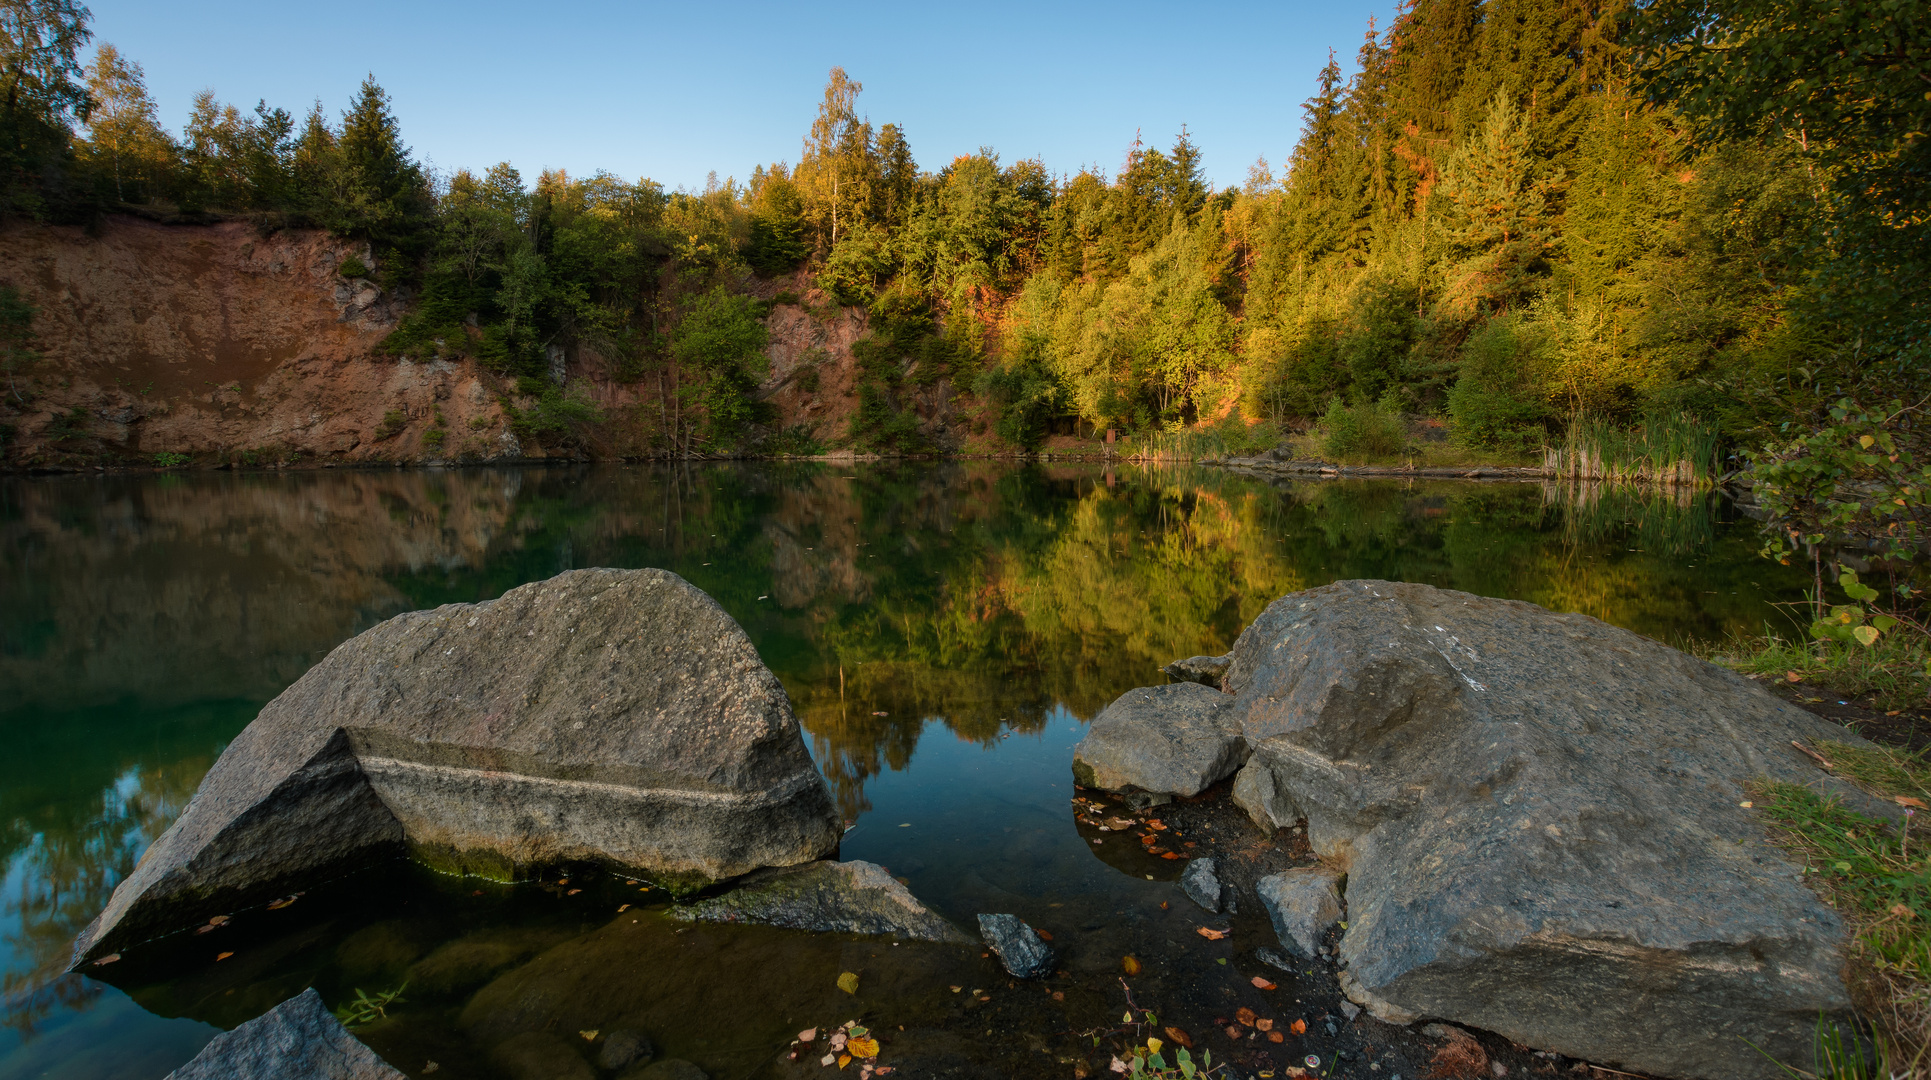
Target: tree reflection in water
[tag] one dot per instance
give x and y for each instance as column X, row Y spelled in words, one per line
column 143, row 621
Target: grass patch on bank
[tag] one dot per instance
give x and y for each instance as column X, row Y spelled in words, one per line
column 1895, row 672
column 1878, row 878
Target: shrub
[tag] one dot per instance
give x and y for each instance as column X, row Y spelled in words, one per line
column 168, row 459
column 352, row 267
column 393, row 421
column 433, row 438
column 1363, row 432
column 1493, row 402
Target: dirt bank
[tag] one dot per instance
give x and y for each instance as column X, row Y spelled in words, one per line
column 215, row 344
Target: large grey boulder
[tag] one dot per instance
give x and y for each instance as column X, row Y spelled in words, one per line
column 846, row 897
column 1303, row 904
column 611, row 716
column 296, row 1040
column 1176, row 740
column 1539, row 817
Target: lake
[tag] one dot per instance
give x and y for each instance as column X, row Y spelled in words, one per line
column 944, row 630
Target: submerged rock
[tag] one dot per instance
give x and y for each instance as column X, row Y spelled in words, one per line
column 612, row 716
column 622, row 1048
column 299, row 1037
column 1174, row 740
column 1017, row 945
column 1541, row 821
column 1205, row 670
column 1302, row 903
column 847, row 897
column 1200, row 884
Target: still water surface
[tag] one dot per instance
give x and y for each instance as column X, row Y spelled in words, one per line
column 944, row 632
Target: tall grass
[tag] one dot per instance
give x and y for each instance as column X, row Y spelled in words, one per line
column 1674, row 448
column 1222, row 440
column 1678, row 521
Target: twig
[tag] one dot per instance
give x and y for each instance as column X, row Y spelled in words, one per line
column 1813, row 755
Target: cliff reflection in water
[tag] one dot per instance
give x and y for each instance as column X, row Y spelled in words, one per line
column 144, row 620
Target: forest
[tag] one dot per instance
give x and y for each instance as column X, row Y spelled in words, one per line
column 1509, row 214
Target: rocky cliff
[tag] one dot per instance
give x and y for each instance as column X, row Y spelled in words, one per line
column 216, row 344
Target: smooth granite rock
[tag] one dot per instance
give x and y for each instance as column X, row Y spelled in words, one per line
column 1175, row 740
column 1205, row 670
column 1017, row 946
column 611, row 716
column 1302, row 903
column 845, row 897
column 1200, row 884
column 296, row 1040
column 1540, row 820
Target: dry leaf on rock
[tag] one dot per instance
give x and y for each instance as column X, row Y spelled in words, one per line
column 223, row 956
column 1298, row 1027
column 1211, row 934
column 865, row 1048
column 1275, row 1036
column 1130, row 965
column 1264, row 1023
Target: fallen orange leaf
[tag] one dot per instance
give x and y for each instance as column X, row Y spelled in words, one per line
column 1298, row 1027
column 1233, row 1032
column 223, row 956
column 1263, row 983
column 844, row 1060
column 1264, row 1023
column 865, row 1048
column 1180, row 1037
column 1044, row 935
column 1172, row 855
column 573, row 892
column 1275, row 1036
column 1211, row 934
column 1131, row 965
column 1906, row 800
column 1245, row 1015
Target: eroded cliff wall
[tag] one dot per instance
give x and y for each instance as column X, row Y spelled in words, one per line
column 218, row 344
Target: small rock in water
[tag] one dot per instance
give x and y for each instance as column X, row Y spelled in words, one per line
column 622, row 1047
column 1273, row 959
column 1200, row 884
column 1019, row 948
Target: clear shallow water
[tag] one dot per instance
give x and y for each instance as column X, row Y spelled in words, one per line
column 944, row 632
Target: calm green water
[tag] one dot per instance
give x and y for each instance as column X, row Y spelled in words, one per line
column 944, row 632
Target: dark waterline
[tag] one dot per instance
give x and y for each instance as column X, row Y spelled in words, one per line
column 944, row 632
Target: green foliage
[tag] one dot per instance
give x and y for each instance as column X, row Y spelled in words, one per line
column 1842, row 80
column 722, row 340
column 798, row 440
column 168, row 459
column 1371, row 431
column 68, row 426
column 393, row 421
column 367, row 1009
column 17, row 355
column 1862, row 476
column 352, row 267
column 1494, row 401
column 1667, row 447
column 433, row 438
column 555, row 413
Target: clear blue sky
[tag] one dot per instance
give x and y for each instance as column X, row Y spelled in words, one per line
column 674, row 91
